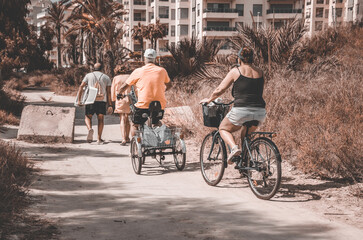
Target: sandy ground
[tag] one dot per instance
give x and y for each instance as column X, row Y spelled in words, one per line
column 90, row 191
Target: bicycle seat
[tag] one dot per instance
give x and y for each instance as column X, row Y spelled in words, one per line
column 251, row 123
column 155, row 111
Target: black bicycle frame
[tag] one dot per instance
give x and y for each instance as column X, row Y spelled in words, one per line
column 217, row 135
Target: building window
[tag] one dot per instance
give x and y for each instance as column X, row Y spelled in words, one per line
column 257, row 9
column 183, row 30
column 319, row 1
column 197, row 28
column 193, row 30
column 172, row 14
column 163, row 12
column 327, row 2
column 338, row 12
column 198, row 9
column 326, row 13
column 319, row 12
column 339, row 1
column 240, row 8
column 183, row 13
column 172, row 30
column 318, row 25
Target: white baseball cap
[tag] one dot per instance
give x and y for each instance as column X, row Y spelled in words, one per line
column 150, row 53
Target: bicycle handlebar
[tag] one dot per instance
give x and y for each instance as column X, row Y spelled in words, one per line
column 217, row 103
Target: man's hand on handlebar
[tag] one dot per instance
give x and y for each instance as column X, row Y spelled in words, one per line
column 120, row 96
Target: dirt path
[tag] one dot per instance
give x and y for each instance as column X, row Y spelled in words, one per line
column 91, row 192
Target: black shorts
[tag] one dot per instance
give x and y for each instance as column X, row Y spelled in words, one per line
column 137, row 117
column 96, row 107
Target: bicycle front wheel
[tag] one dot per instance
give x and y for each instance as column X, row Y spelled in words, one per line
column 212, row 159
column 264, row 180
column 135, row 159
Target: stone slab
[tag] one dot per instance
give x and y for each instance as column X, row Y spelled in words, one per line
column 47, row 124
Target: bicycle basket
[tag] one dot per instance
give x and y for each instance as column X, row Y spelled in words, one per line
column 158, row 137
column 213, row 115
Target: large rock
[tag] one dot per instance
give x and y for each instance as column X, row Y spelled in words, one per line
column 47, row 124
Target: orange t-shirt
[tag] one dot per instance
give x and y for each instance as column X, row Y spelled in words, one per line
column 150, row 82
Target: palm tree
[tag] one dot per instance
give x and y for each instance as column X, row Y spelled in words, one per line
column 154, row 32
column 138, row 34
column 100, row 21
column 269, row 44
column 72, row 48
column 57, row 20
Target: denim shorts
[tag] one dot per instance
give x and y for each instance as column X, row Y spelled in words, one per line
column 239, row 115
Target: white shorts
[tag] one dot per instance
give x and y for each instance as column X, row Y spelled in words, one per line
column 239, row 115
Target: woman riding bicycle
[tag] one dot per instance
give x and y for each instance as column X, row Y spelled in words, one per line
column 249, row 105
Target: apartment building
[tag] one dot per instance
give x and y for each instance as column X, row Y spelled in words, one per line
column 217, row 19
column 321, row 14
column 37, row 12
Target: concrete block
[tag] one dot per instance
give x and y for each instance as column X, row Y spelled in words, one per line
column 47, row 124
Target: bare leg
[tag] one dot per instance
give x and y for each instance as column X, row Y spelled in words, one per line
column 88, row 121
column 100, row 118
column 226, row 129
column 125, row 127
column 250, row 130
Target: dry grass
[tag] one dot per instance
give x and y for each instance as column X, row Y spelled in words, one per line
column 316, row 111
column 14, row 179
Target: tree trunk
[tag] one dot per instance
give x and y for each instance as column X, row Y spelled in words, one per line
column 142, row 48
column 81, row 48
column 59, row 61
column 109, row 63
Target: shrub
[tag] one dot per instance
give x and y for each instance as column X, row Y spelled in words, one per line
column 190, row 55
column 14, row 178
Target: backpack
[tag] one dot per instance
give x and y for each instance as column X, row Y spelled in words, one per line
column 100, row 94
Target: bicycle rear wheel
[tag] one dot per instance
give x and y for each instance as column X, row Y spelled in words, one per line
column 135, row 159
column 213, row 167
column 265, row 180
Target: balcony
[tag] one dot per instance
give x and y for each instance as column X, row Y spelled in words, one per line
column 163, row 15
column 139, row 19
column 220, row 13
column 281, row 13
column 218, row 31
column 139, row 3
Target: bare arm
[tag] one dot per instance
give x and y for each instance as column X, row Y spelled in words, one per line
column 168, row 86
column 80, row 91
column 108, row 90
column 223, row 86
column 123, row 88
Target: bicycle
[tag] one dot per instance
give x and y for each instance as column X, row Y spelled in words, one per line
column 260, row 160
column 155, row 141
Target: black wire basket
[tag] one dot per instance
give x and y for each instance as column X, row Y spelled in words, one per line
column 213, row 115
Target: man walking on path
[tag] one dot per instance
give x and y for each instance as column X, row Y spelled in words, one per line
column 102, row 82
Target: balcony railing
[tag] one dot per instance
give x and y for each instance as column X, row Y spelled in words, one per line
column 163, row 49
column 220, row 10
column 139, row 3
column 219, row 29
column 282, row 10
column 139, row 19
column 163, row 15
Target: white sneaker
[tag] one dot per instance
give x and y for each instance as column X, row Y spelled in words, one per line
column 90, row 135
column 235, row 151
